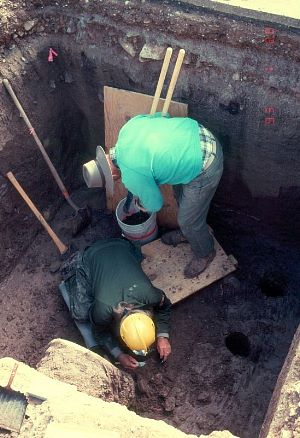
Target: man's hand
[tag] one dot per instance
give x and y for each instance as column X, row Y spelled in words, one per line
column 139, row 206
column 127, row 361
column 163, row 347
column 116, row 174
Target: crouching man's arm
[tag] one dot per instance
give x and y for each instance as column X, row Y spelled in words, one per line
column 107, row 341
column 162, row 313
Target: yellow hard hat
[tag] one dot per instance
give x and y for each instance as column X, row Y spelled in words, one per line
column 137, row 331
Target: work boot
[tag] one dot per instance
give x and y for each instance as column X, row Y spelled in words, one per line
column 198, row 265
column 173, row 238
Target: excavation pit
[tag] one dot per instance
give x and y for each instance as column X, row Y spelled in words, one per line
column 238, row 344
column 253, row 214
column 273, row 284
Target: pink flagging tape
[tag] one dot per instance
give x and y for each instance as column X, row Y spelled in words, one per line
column 51, row 53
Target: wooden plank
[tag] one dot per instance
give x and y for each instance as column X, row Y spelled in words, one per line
column 119, row 107
column 164, row 266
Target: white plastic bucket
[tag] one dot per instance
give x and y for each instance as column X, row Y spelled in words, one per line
column 142, row 233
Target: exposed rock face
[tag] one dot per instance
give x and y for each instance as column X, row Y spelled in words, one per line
column 70, row 363
column 89, row 414
column 283, row 416
column 66, row 412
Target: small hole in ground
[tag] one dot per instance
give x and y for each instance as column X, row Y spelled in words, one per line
column 273, row 284
column 238, row 344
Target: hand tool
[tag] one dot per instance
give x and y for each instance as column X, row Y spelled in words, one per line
column 128, row 202
column 173, row 81
column 82, row 215
column 161, row 79
column 59, row 244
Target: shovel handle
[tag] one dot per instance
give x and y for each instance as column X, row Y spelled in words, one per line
column 40, row 145
column 61, row 247
column 173, row 81
column 161, row 79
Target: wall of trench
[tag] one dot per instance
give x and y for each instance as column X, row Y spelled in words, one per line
column 121, row 44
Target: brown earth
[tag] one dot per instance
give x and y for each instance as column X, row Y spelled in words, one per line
column 203, row 387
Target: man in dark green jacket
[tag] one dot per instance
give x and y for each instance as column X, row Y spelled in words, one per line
column 107, row 286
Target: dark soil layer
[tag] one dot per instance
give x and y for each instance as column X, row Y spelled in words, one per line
column 136, row 218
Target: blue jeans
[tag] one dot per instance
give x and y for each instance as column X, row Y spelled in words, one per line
column 194, row 200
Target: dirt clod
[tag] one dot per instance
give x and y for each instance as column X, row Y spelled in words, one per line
column 170, row 404
column 136, row 218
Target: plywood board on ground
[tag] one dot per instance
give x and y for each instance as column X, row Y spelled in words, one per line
column 164, row 265
column 119, row 107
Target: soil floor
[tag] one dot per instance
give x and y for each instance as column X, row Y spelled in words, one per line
column 203, row 386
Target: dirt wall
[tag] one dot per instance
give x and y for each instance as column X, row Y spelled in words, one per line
column 282, row 418
column 230, row 79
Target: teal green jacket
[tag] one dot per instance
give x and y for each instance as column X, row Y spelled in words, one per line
column 155, row 150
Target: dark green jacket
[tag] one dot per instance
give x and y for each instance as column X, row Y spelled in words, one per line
column 117, row 280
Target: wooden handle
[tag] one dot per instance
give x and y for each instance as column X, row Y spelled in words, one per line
column 173, row 81
column 61, row 247
column 161, row 79
column 40, row 145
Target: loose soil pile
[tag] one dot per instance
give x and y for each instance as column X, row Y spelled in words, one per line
column 136, row 218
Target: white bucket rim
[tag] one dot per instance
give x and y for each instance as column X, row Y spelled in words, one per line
column 137, row 225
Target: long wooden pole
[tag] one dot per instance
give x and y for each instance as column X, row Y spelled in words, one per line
column 161, row 79
column 40, row 146
column 173, row 81
column 59, row 244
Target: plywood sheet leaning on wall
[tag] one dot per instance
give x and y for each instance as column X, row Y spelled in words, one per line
column 119, row 107
column 164, row 266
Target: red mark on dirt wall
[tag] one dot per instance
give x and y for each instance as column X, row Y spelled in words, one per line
column 270, row 35
column 51, row 54
column 269, row 121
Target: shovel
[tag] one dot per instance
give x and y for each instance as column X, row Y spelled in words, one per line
column 82, row 216
column 62, row 248
column 173, row 81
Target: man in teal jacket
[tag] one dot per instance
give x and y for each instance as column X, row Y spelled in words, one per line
column 152, row 150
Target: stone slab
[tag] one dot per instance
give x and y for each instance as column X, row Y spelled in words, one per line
column 282, row 419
